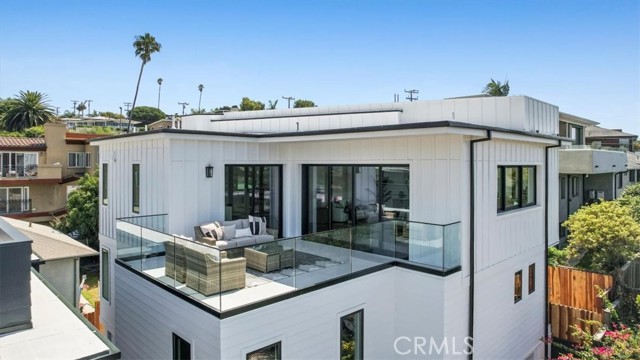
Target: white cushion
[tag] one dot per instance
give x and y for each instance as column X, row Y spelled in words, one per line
column 243, row 232
column 229, row 232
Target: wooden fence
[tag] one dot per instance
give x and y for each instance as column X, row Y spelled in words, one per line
column 564, row 317
column 94, row 318
column 577, row 288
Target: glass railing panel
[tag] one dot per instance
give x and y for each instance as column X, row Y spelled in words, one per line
column 425, row 244
column 451, row 246
column 128, row 238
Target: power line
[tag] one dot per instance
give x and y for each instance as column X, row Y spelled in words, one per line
column 411, row 93
column 288, row 98
column 183, row 104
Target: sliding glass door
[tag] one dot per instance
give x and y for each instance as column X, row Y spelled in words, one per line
column 336, row 196
column 254, row 190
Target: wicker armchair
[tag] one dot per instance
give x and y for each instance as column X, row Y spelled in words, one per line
column 209, row 276
column 175, row 261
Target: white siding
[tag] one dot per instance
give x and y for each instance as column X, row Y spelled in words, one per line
column 147, row 316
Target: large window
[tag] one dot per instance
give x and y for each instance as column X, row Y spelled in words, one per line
column 16, row 164
column 105, row 283
column 181, row 348
column 516, row 187
column 105, row 189
column 135, row 186
column 338, row 196
column 14, row 200
column 269, row 352
column 517, row 287
column 254, row 190
column 79, row 160
column 351, row 336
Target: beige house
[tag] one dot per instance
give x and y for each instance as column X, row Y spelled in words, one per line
column 37, row 174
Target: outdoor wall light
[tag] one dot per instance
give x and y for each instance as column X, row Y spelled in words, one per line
column 208, row 171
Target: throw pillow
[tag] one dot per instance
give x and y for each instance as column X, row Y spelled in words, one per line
column 243, row 232
column 229, row 232
column 258, row 225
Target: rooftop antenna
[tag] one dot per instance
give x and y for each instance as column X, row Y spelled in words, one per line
column 411, row 93
column 183, row 104
column 288, row 98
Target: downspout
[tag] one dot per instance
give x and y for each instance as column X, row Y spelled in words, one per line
column 546, row 240
column 472, row 245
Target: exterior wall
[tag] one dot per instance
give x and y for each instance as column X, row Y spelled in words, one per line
column 601, row 182
column 147, row 316
column 48, row 197
column 63, row 274
column 591, row 161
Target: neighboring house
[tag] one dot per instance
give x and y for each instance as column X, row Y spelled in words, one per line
column 609, row 138
column 170, row 123
column 399, row 225
column 116, row 124
column 36, row 322
column 57, row 257
column 38, row 173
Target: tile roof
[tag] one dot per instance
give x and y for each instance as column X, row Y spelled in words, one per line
column 50, row 244
column 17, row 142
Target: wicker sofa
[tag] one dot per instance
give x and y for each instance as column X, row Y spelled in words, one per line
column 175, row 261
column 209, row 276
column 226, row 244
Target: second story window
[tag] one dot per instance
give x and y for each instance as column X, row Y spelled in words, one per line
column 79, row 160
column 136, row 188
column 105, row 178
column 516, row 187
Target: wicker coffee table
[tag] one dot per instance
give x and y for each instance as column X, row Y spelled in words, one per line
column 268, row 258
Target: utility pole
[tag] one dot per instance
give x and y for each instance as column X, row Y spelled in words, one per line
column 184, row 104
column 57, row 109
column 288, row 98
column 120, row 126
column 74, row 106
column 88, row 106
column 411, row 93
column 127, row 106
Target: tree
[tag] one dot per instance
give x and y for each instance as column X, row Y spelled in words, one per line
column 198, row 111
column 145, row 45
column 111, row 115
column 68, row 114
column 604, row 234
column 28, row 109
column 146, row 114
column 81, row 107
column 200, row 88
column 273, row 104
column 247, row 105
column 301, row 103
column 82, row 211
column 631, row 199
column 159, row 88
column 495, row 88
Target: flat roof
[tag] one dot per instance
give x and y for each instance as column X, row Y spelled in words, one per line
column 57, row 333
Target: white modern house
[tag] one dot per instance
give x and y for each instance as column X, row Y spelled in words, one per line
column 404, row 230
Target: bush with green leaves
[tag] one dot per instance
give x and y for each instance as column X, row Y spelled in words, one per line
column 604, row 234
column 82, row 211
column 557, row 257
column 631, row 199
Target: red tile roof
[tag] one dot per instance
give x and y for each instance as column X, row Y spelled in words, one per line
column 16, row 142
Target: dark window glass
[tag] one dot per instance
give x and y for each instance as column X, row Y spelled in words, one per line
column 574, row 186
column 181, row 348
column 528, row 185
column 512, row 188
column 254, row 190
column 104, row 273
column 563, row 129
column 270, row 352
column 532, row 278
column 500, row 188
column 517, row 287
column 351, row 336
column 136, row 188
column 563, row 187
column 516, row 187
column 619, row 181
column 105, row 177
column 632, row 176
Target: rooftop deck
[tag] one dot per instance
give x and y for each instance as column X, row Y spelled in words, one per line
column 281, row 268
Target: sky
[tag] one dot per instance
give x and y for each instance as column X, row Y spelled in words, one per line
column 581, row 55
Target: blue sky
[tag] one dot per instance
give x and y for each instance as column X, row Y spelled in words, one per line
column 580, row 55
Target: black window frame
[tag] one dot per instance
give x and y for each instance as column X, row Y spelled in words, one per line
column 532, row 278
column 502, row 187
column 177, row 347
column 632, row 176
column 361, row 335
column 105, row 281
column 278, row 351
column 517, row 287
column 105, row 178
column 563, row 187
column 135, row 188
column 574, row 186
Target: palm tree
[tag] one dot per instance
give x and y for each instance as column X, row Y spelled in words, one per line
column 200, row 88
column 28, row 109
column 159, row 86
column 145, row 45
column 81, row 107
column 273, row 104
column 495, row 88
